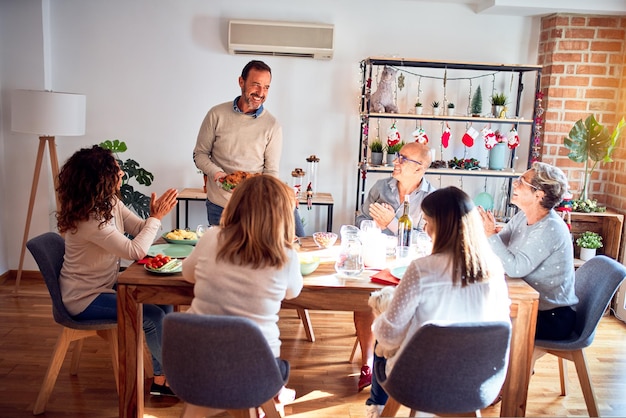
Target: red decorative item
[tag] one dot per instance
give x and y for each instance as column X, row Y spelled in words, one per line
column 469, row 136
column 420, row 136
column 512, row 138
column 393, row 136
column 445, row 137
column 490, row 137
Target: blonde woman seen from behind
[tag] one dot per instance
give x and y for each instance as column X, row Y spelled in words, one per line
column 247, row 265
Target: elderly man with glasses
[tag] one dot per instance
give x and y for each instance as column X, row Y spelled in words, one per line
column 384, row 205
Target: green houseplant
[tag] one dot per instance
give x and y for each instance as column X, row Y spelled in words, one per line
column 590, row 240
column 498, row 99
column 376, row 148
column 589, row 143
column 392, row 149
column 132, row 198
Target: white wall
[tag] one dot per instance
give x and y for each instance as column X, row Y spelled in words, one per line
column 152, row 68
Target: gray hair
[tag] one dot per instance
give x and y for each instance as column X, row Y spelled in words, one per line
column 552, row 181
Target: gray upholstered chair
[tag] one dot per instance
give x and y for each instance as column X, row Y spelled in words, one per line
column 48, row 250
column 596, row 282
column 453, row 369
column 217, row 363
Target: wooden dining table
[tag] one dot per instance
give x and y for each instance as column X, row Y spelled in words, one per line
column 323, row 290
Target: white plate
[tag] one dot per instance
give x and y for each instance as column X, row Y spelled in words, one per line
column 171, row 250
column 398, row 272
column 178, row 269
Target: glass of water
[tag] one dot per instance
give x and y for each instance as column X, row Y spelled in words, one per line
column 201, row 229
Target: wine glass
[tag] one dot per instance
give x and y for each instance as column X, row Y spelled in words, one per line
column 201, row 229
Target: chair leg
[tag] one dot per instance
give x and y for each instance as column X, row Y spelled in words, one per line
column 195, row 411
column 563, row 375
column 354, row 348
column 585, row 382
column 391, row 408
column 110, row 335
column 269, row 407
column 76, row 352
column 306, row 322
column 66, row 336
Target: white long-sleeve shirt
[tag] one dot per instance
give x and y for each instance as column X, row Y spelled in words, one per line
column 426, row 294
column 228, row 289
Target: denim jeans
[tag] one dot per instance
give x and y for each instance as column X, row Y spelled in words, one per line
column 378, row 396
column 214, row 213
column 105, row 307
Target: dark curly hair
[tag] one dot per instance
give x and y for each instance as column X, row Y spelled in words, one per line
column 87, row 186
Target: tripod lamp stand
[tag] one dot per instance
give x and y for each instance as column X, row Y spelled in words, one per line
column 46, row 114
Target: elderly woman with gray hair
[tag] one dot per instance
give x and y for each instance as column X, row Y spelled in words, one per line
column 536, row 246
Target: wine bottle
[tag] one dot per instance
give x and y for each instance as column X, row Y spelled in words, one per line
column 405, row 228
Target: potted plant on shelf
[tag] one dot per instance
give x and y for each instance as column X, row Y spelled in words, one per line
column 588, row 242
column 419, row 108
column 498, row 105
column 590, row 143
column 450, row 109
column 376, row 149
column 436, row 108
column 132, row 198
column 392, row 149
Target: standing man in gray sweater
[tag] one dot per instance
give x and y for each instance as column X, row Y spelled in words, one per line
column 240, row 136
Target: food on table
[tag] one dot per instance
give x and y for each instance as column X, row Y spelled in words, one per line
column 181, row 235
column 158, row 261
column 232, row 180
column 324, row 239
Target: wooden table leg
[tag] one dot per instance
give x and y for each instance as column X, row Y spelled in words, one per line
column 515, row 389
column 130, row 340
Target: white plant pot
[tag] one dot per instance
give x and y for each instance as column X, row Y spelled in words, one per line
column 436, row 111
column 587, row 254
column 419, row 110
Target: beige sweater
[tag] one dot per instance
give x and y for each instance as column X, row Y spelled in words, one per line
column 229, row 141
column 92, row 255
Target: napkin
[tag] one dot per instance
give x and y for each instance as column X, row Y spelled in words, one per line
column 385, row 277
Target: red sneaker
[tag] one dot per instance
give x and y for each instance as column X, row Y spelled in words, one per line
column 365, row 379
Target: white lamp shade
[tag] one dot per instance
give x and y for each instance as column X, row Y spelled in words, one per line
column 47, row 113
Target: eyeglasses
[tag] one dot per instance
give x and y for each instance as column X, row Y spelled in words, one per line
column 520, row 180
column 402, row 159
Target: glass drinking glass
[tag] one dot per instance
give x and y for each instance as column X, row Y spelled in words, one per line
column 201, row 229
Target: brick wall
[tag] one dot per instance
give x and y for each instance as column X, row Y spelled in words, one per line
column 584, row 72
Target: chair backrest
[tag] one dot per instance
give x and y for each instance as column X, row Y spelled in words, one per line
column 450, row 369
column 48, row 250
column 596, row 282
column 219, row 361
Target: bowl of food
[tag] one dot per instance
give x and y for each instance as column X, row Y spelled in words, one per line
column 308, row 264
column 181, row 236
column 325, row 239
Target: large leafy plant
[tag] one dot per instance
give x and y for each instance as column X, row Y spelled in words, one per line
column 132, row 198
column 590, row 143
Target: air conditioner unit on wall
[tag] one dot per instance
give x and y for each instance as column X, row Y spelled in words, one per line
column 256, row 37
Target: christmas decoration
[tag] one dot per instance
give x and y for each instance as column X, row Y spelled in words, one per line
column 420, row 136
column 382, row 99
column 393, row 136
column 470, row 135
column 445, row 137
column 490, row 137
column 512, row 138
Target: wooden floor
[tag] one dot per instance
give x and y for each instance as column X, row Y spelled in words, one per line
column 324, row 380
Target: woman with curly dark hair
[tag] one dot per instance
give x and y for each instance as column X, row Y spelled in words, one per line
column 95, row 221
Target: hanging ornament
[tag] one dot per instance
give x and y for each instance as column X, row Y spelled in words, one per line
column 512, row 138
column 420, row 136
column 469, row 136
column 490, row 137
column 401, row 81
column 393, row 136
column 537, row 130
column 445, row 136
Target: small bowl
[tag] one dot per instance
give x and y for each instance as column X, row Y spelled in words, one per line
column 325, row 239
column 308, row 264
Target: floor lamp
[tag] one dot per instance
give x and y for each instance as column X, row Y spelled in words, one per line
column 47, row 114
